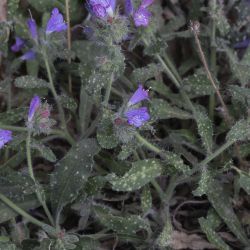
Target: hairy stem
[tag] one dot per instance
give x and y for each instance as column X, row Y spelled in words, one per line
column 20, row 211
column 108, row 90
column 212, row 58
column 56, row 97
column 209, row 75
column 68, row 41
column 38, row 187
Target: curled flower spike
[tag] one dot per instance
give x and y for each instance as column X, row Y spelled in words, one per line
column 19, row 44
column 29, row 55
column 34, row 105
column 56, row 22
column 32, row 28
column 137, row 117
column 139, row 95
column 5, row 136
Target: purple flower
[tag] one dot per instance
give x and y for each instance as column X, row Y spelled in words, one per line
column 137, row 117
column 139, row 95
column 243, row 44
column 5, row 136
column 18, row 44
column 146, row 3
column 32, row 28
column 142, row 17
column 56, row 22
column 101, row 8
column 34, row 105
column 129, row 9
column 29, row 55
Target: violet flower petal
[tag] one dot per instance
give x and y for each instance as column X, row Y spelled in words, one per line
column 146, row 3
column 19, row 44
column 137, row 117
column 139, row 95
column 129, row 9
column 32, row 28
column 34, row 105
column 5, row 136
column 243, row 44
column 56, row 22
column 29, row 55
column 142, row 17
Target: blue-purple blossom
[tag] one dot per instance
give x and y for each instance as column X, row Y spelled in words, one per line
column 101, row 8
column 137, row 117
column 139, row 95
column 142, row 15
column 32, row 28
column 19, row 44
column 243, row 44
column 34, row 105
column 56, row 22
column 5, row 136
column 129, row 9
column 29, row 55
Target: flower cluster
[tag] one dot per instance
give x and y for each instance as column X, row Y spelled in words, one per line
column 105, row 8
column 5, row 136
column 137, row 116
column 39, row 116
column 54, row 24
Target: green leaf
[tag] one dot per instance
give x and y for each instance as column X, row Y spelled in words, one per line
column 8, row 246
column 244, row 182
column 160, row 109
column 239, row 132
column 88, row 244
column 141, row 173
column 212, row 236
column 30, row 82
column 220, row 200
column 45, row 151
column 176, row 161
column 71, row 173
column 126, row 224
column 13, row 116
column 164, row 238
column 68, row 102
column 15, row 185
column 105, row 132
column 205, row 129
column 146, row 199
column 198, row 85
column 27, row 203
column 141, row 75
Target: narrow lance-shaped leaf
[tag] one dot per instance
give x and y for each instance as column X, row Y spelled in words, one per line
column 205, row 130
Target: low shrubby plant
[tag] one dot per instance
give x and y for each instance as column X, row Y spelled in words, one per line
column 125, row 125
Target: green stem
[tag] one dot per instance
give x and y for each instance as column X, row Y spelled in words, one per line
column 159, row 190
column 216, row 153
column 108, row 90
column 38, row 187
column 56, row 132
column 149, row 145
column 21, row 211
column 212, row 61
column 53, row 90
column 177, row 83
